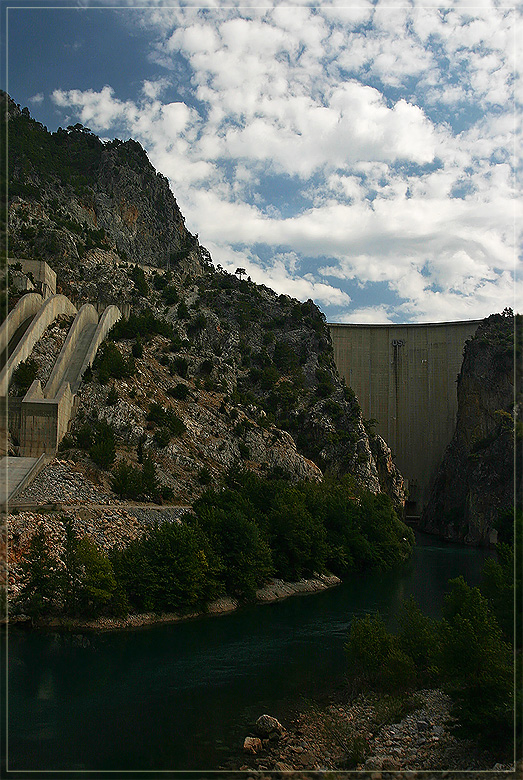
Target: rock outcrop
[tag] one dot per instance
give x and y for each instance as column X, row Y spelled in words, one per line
column 263, row 389
column 474, row 487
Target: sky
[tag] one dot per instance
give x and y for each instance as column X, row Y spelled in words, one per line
column 359, row 154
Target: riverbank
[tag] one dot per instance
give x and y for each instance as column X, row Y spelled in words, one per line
column 274, row 590
column 370, row 734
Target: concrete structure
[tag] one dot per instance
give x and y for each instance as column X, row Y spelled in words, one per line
column 44, row 278
column 404, row 376
column 16, row 323
column 40, row 419
column 16, row 473
column 51, row 309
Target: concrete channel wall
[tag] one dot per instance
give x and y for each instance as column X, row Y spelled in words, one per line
column 26, row 307
column 404, row 376
column 51, row 309
column 41, row 418
column 44, row 421
column 87, row 316
column 110, row 316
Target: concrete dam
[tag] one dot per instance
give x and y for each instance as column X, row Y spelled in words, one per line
column 404, row 377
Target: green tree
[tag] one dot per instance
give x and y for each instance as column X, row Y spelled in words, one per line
column 103, row 449
column 418, row 637
column 97, row 592
column 477, row 665
column 24, row 374
column 368, row 648
column 40, row 577
column 126, row 480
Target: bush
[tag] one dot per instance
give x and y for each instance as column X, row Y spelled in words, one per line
column 110, row 363
column 103, row 450
column 126, row 480
column 167, row 418
column 181, row 366
column 162, row 437
column 476, row 664
column 24, row 374
column 179, row 391
column 112, row 396
column 368, row 649
column 137, row 348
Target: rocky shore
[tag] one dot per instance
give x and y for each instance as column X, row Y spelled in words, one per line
column 275, row 590
column 369, row 734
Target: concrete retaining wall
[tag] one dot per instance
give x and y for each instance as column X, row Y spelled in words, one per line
column 26, row 307
column 85, row 317
column 44, row 421
column 52, row 308
column 405, row 377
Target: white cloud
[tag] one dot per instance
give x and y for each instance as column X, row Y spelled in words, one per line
column 37, row 99
column 355, row 124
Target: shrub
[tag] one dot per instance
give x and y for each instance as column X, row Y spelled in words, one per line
column 179, row 391
column 112, row 396
column 25, row 374
column 162, row 437
column 204, row 476
column 181, row 366
column 137, row 348
column 167, row 418
column 103, row 450
column 368, row 648
column 126, row 481
column 138, row 276
column 170, row 296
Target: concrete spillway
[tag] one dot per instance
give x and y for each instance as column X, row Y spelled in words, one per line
column 405, row 378
column 39, row 420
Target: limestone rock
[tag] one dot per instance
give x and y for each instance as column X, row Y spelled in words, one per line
column 252, row 745
column 266, row 725
column 474, row 484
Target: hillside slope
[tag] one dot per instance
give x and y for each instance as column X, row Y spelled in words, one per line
column 261, row 387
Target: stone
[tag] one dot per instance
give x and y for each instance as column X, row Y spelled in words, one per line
column 373, row 763
column 390, row 764
column 252, row 744
column 266, row 725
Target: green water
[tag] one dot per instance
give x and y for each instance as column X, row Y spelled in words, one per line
column 181, row 696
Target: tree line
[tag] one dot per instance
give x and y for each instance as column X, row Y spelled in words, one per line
column 235, row 538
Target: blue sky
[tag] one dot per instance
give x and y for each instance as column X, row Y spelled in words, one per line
column 359, row 154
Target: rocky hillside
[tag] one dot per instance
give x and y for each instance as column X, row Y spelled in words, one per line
column 248, row 375
column 473, row 493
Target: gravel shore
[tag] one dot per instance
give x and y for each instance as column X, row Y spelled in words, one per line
column 367, row 735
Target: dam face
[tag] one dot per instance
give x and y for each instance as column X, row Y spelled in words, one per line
column 404, row 376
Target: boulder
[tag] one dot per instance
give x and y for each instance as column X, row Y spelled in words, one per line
column 252, row 745
column 267, row 725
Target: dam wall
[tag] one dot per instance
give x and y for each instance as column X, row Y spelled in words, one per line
column 404, row 376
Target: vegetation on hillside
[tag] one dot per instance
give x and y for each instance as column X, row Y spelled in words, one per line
column 232, row 542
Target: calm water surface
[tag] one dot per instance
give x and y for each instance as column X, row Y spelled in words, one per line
column 177, row 697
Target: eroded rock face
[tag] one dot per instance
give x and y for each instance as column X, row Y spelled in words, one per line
column 93, row 210
column 474, row 485
column 391, row 481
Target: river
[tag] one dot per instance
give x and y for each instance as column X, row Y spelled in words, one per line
column 178, row 696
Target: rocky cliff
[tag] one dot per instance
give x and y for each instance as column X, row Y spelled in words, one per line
column 261, row 387
column 474, row 488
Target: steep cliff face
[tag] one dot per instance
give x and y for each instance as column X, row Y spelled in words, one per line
column 74, row 198
column 259, row 367
column 474, row 486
